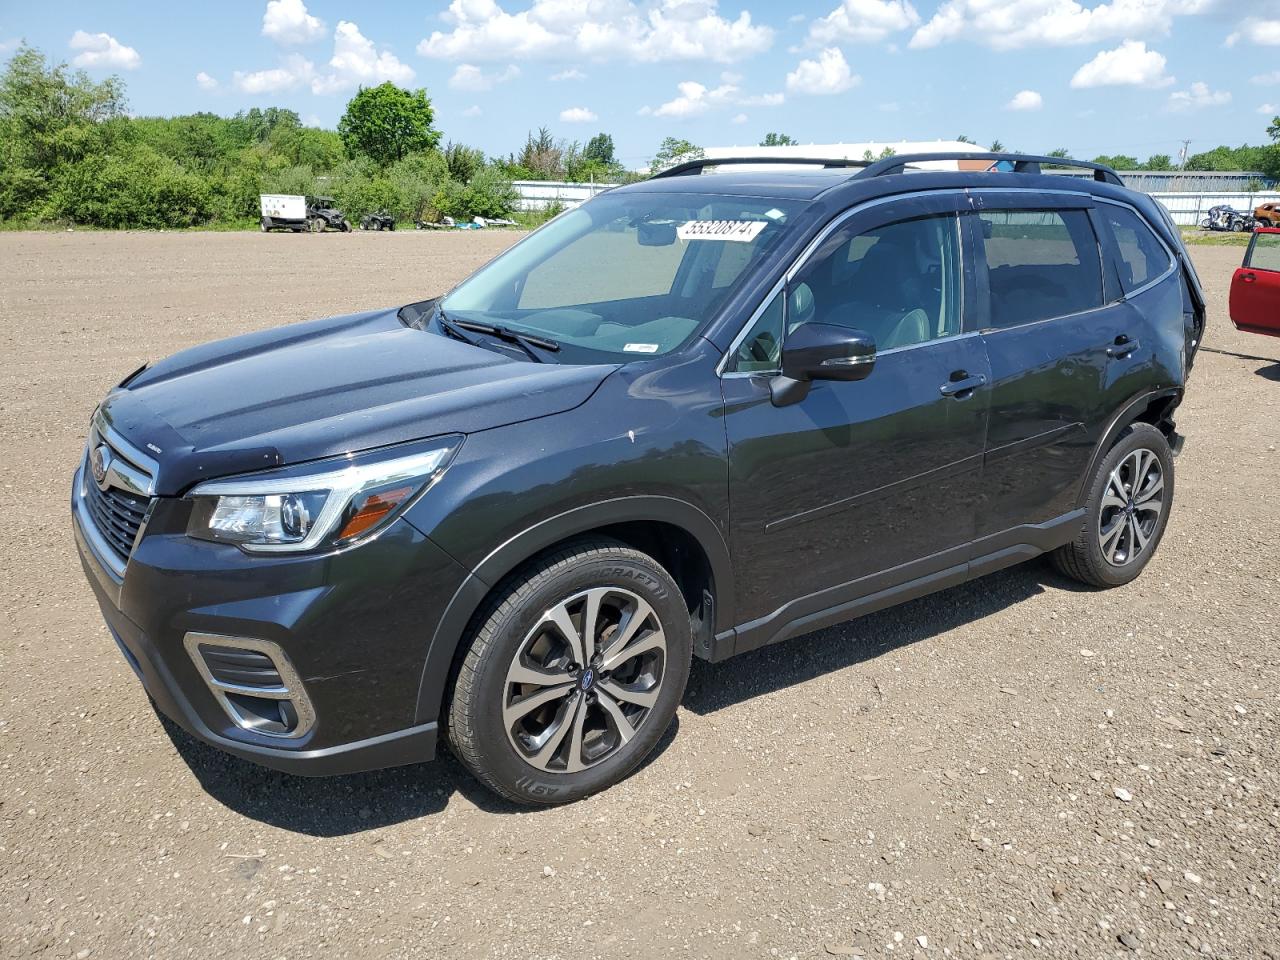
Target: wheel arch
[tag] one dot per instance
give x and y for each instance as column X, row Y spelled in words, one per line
column 677, row 534
column 1155, row 408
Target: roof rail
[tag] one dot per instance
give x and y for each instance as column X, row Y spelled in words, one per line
column 689, row 167
column 1022, row 163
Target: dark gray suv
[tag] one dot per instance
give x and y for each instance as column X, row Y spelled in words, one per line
column 696, row 415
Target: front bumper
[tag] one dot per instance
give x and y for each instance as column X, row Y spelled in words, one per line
column 355, row 626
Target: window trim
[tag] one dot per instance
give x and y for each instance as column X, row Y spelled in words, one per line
column 722, row 368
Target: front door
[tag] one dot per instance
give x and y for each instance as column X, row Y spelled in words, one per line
column 859, row 486
column 1255, row 288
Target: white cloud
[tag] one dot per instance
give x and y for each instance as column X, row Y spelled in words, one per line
column 8, row 46
column 596, row 29
column 573, row 73
column 356, row 61
column 1025, row 100
column 206, row 82
column 1197, row 97
column 472, row 111
column 1006, row 25
column 1130, row 64
column 103, row 50
column 295, row 71
column 826, row 75
column 1265, row 33
column 739, row 119
column 287, row 22
column 468, row 77
column 1267, row 79
column 1268, row 110
column 863, row 21
column 577, row 115
column 696, row 99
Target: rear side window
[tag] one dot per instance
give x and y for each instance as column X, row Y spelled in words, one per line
column 1265, row 252
column 1142, row 256
column 1041, row 264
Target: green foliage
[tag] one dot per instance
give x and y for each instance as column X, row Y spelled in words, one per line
column 997, row 146
column 963, row 139
column 599, row 149
column 1158, row 161
column 386, row 123
column 69, row 152
column 1061, row 152
column 674, row 150
column 778, row 140
column 1118, row 162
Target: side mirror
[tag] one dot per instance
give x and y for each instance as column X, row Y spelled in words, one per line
column 821, row 351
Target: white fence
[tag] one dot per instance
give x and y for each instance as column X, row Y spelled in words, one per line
column 540, row 194
column 1188, row 209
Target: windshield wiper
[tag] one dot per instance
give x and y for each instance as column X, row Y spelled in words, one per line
column 525, row 341
column 451, row 328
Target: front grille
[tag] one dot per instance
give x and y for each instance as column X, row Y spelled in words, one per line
column 117, row 515
column 117, row 512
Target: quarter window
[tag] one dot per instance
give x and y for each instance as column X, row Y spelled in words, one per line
column 1041, row 264
column 761, row 349
column 1265, row 254
column 1142, row 256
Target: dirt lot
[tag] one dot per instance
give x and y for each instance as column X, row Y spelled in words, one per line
column 1016, row 767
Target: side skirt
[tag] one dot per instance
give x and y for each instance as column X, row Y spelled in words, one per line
column 898, row 585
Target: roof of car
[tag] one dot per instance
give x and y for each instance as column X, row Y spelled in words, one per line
column 784, row 183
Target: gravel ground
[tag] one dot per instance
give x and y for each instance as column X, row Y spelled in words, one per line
column 1015, row 767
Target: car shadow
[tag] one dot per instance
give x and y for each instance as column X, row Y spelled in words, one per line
column 1270, row 372
column 347, row 804
column 714, row 686
column 354, row 803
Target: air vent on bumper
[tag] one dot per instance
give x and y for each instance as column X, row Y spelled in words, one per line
column 254, row 682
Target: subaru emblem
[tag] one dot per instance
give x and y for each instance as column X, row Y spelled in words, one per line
column 100, row 463
column 588, row 677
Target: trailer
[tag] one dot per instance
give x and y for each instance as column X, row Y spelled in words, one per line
column 285, row 212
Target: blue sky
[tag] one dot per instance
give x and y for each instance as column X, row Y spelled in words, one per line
column 1123, row 76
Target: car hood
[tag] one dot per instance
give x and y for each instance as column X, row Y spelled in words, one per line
column 326, row 388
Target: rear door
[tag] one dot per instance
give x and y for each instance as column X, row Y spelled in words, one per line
column 1255, row 288
column 1058, row 336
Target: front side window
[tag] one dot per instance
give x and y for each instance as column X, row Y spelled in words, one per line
column 1142, row 256
column 1041, row 264
column 1264, row 254
column 627, row 276
column 899, row 283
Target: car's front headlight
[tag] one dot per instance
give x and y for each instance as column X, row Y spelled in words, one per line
column 329, row 503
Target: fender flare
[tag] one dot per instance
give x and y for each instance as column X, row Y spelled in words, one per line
column 1128, row 413
column 452, row 625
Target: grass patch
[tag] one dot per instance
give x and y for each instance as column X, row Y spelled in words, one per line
column 1214, row 238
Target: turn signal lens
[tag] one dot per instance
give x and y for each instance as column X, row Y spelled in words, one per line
column 368, row 511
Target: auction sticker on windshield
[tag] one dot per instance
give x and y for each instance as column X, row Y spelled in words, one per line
column 741, row 231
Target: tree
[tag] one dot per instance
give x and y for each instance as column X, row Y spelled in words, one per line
column 463, row 162
column 778, row 140
column 1119, row 162
column 599, row 149
column 997, row 146
column 387, row 123
column 1158, row 161
column 1061, row 153
column 1273, row 129
column 674, row 150
column 963, row 139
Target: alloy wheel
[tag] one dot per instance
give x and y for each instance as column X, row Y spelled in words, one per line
column 584, row 680
column 1131, row 507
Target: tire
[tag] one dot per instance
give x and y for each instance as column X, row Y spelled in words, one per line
column 317, row 224
column 538, row 756
column 1121, row 533
column 265, row 225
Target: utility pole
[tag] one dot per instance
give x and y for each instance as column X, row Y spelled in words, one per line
column 1186, row 147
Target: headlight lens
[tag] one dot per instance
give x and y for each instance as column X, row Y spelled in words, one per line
column 330, row 503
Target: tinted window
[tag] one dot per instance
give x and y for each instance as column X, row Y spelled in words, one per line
column 900, row 283
column 761, row 350
column 1142, row 258
column 1265, row 254
column 1042, row 264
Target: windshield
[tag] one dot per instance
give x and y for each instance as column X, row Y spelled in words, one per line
column 625, row 276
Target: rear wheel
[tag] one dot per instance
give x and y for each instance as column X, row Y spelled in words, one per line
column 1128, row 509
column 265, row 225
column 317, row 224
column 573, row 675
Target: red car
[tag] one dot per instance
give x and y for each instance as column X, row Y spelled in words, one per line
column 1255, row 288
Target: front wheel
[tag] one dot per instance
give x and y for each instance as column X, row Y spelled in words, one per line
column 573, row 675
column 1130, row 497
column 317, row 224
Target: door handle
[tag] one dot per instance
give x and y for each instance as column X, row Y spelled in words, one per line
column 961, row 385
column 1248, row 277
column 1121, row 347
